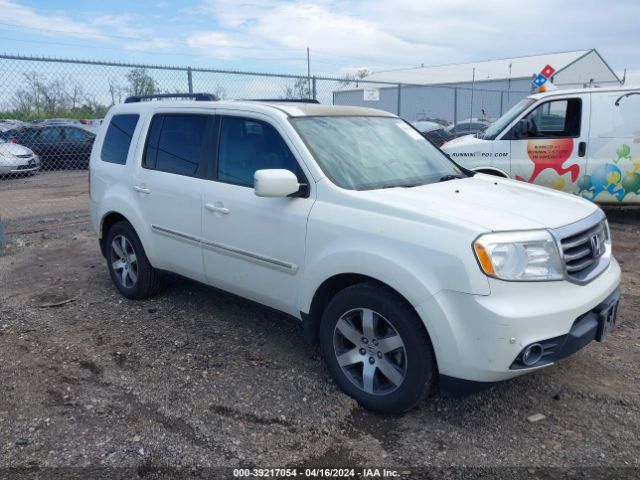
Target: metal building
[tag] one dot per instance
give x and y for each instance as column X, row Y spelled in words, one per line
column 472, row 90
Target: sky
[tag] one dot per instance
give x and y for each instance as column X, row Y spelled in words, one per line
column 273, row 35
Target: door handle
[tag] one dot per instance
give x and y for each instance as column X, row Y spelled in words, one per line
column 215, row 208
column 582, row 149
column 141, row 189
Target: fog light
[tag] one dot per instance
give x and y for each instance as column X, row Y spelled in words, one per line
column 532, row 354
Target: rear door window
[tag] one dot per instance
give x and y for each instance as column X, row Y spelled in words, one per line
column 117, row 140
column 178, row 143
column 50, row 135
column 76, row 134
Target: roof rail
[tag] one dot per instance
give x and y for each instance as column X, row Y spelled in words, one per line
column 198, row 97
column 282, row 100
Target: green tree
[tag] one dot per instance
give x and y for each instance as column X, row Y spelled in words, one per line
column 353, row 77
column 299, row 89
column 41, row 97
column 141, row 83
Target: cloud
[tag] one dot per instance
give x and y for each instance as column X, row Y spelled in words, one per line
column 210, row 39
column 408, row 32
column 57, row 25
column 373, row 34
column 287, row 27
column 150, row 44
column 124, row 25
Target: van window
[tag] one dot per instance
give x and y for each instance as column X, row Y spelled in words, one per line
column 117, row 140
column 499, row 125
column 176, row 144
column 557, row 118
column 248, row 145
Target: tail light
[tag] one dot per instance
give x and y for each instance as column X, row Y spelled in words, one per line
column 13, row 140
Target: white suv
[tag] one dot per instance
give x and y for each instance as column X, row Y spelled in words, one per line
column 412, row 272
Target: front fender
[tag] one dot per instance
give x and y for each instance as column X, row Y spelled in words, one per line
column 398, row 270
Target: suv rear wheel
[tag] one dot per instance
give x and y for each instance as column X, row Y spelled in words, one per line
column 376, row 348
column 128, row 265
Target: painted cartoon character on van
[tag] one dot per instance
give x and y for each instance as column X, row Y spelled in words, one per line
column 623, row 152
column 551, row 154
column 605, row 178
column 619, row 179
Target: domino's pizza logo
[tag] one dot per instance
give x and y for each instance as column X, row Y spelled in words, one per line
column 540, row 80
column 544, row 76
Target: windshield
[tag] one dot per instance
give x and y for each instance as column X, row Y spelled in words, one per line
column 496, row 127
column 365, row 153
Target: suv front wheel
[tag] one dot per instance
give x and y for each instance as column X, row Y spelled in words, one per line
column 376, row 348
column 128, row 265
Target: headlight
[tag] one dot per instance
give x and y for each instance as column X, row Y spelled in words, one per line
column 607, row 232
column 519, row 256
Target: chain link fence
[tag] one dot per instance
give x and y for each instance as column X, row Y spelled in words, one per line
column 51, row 109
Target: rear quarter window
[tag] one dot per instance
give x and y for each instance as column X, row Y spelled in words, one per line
column 117, row 140
column 178, row 143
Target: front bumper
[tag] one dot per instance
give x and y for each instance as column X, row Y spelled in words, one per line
column 15, row 165
column 478, row 338
column 587, row 328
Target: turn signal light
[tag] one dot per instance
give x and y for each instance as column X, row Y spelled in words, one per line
column 483, row 259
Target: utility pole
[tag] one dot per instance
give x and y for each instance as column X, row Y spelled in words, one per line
column 308, row 74
column 473, row 82
column 508, row 87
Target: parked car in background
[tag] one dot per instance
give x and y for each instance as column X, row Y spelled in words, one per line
column 17, row 159
column 432, row 131
column 10, row 124
column 58, row 121
column 470, row 126
column 91, row 124
column 439, row 121
column 58, row 146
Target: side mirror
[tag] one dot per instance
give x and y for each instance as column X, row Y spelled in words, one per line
column 275, row 183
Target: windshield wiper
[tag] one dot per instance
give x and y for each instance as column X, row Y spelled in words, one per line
column 451, row 177
column 399, row 185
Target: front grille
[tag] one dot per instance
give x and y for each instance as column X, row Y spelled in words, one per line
column 582, row 250
column 25, row 155
column 585, row 248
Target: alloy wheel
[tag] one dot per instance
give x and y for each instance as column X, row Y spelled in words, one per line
column 124, row 261
column 370, row 351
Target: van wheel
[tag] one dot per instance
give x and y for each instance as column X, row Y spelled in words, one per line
column 128, row 265
column 377, row 349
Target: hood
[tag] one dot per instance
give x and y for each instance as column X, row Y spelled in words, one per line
column 488, row 202
column 14, row 149
column 466, row 140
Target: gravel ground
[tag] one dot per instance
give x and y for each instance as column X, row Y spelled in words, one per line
column 196, row 378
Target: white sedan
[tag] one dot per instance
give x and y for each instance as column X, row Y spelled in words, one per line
column 16, row 159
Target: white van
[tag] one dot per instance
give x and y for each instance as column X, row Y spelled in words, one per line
column 585, row 142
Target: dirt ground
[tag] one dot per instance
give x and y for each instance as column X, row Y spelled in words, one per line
column 195, row 378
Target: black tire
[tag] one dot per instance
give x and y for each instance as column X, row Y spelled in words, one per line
column 148, row 281
column 418, row 363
